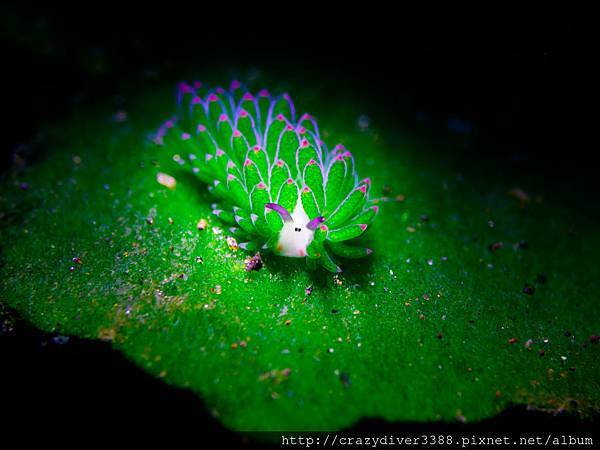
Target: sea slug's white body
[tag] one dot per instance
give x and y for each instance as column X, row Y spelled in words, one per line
column 294, row 236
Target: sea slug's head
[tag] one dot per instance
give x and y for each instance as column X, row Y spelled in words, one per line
column 297, row 232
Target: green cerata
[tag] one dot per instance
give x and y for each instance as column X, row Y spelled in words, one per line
column 277, row 184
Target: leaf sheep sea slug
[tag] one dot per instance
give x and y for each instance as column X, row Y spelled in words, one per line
column 277, row 184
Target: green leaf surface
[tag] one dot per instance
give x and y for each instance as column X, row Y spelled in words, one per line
column 432, row 326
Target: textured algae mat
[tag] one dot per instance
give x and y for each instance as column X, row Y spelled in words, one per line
column 478, row 294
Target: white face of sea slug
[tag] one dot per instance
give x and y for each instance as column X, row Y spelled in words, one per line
column 294, row 237
column 297, row 232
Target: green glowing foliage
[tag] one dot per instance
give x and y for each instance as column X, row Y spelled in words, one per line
column 437, row 327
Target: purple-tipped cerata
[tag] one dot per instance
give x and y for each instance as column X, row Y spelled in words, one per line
column 258, row 155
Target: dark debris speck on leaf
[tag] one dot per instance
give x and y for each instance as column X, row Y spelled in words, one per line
column 529, row 290
column 345, row 379
column 495, row 246
column 254, row 263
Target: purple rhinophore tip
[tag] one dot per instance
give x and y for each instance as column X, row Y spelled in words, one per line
column 223, row 118
column 201, row 128
column 220, row 90
column 185, row 136
column 363, row 226
column 369, row 251
column 248, row 96
column 197, row 84
column 196, row 100
column 235, row 84
column 263, row 93
column 220, row 152
column 213, row 98
column 314, row 224
column 285, row 215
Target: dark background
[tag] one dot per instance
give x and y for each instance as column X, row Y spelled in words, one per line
column 520, row 84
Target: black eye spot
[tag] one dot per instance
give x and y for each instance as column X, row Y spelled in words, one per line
column 298, row 229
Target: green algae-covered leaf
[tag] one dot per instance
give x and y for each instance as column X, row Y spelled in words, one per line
column 101, row 238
